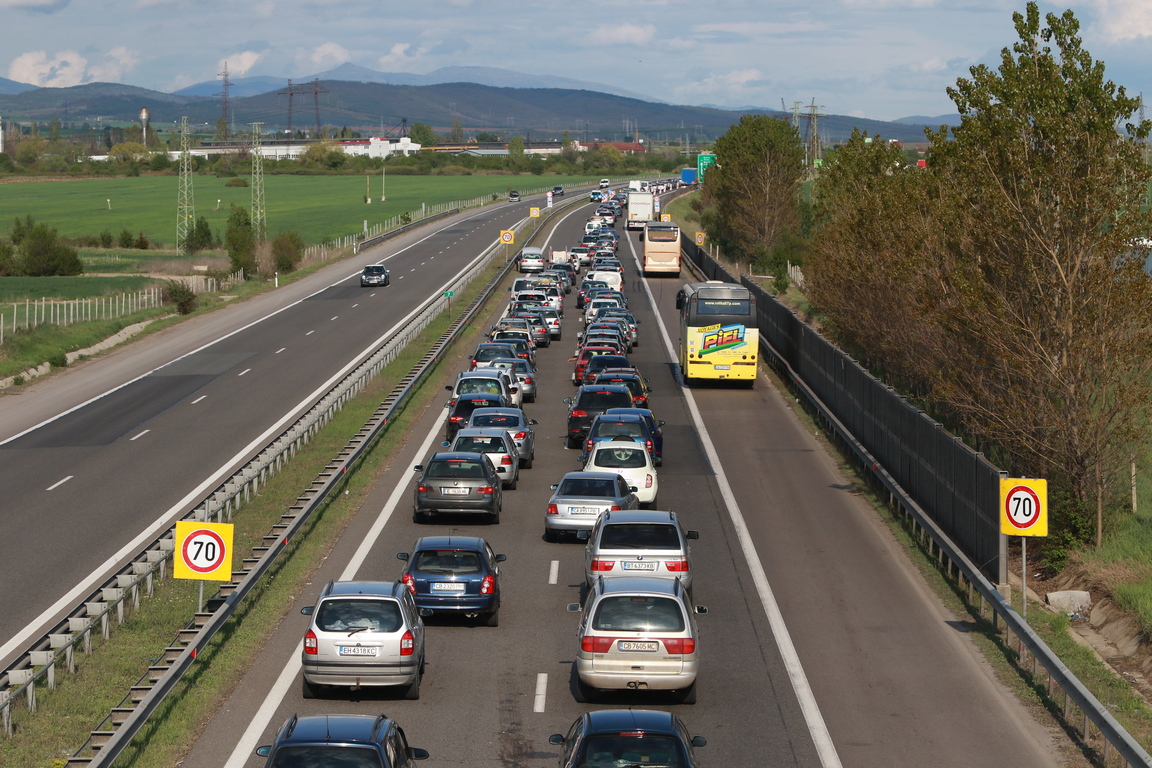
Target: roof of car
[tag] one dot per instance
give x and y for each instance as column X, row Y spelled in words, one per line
column 609, row 720
column 604, row 388
column 642, row 412
column 640, row 516
column 481, row 432
column 325, row 729
column 457, row 455
column 660, row 585
column 381, row 588
column 471, row 543
column 623, row 418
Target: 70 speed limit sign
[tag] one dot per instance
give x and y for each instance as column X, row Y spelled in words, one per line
column 203, row 551
column 1023, row 507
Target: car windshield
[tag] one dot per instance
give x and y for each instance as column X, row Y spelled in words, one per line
column 634, row 613
column 455, row 468
column 640, row 536
column 587, row 486
column 342, row 615
column 495, row 420
column 600, row 401
column 616, row 428
column 480, row 444
column 374, row 269
column 602, row 750
column 619, row 457
column 446, row 561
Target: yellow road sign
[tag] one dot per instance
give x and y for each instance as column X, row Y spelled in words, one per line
column 534, row 212
column 507, row 236
column 665, row 217
column 203, row 551
column 1023, row 507
column 699, row 238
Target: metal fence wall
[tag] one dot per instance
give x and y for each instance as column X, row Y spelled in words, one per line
column 956, row 486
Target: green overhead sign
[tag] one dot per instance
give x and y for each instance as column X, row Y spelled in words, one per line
column 704, row 160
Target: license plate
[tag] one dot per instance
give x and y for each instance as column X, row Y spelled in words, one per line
column 448, row 586
column 638, row 566
column 357, row 650
column 638, row 645
column 584, row 510
column 722, row 367
column 454, row 491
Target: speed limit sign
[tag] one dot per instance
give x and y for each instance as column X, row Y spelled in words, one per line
column 203, row 551
column 534, row 212
column 507, row 236
column 1023, row 507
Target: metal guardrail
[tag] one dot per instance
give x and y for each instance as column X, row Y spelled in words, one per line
column 1116, row 741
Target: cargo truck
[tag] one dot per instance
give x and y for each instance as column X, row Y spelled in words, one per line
column 687, row 176
column 639, row 209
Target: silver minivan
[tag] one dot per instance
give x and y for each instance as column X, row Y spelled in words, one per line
column 644, row 542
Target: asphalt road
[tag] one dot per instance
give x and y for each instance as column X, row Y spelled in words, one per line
column 97, row 460
column 895, row 684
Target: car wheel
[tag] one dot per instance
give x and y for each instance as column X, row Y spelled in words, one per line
column 688, row 695
column 571, row 442
column 307, row 690
column 530, row 398
column 648, row 505
column 511, row 485
column 658, row 461
column 412, row 692
column 551, row 536
column 585, row 694
column 492, row 619
column 527, row 464
column 418, row 517
column 494, row 518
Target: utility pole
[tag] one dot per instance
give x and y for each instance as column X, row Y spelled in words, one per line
column 225, row 104
column 813, row 143
column 185, row 200
column 259, row 224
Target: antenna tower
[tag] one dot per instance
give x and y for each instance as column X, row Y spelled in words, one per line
column 185, row 200
column 259, row 225
column 225, row 104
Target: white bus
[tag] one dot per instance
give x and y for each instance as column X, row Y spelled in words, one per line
column 661, row 252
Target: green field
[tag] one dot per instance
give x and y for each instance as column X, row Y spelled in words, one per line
column 17, row 289
column 317, row 207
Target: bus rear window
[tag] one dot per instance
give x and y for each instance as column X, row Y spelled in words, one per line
column 663, row 235
column 722, row 306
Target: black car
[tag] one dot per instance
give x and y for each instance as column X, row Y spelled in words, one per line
column 461, row 410
column 598, row 363
column 374, row 274
column 456, row 575
column 491, row 351
column 589, row 402
column 630, row 737
column 369, row 740
column 557, row 191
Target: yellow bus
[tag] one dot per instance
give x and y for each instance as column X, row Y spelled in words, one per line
column 719, row 339
column 661, row 252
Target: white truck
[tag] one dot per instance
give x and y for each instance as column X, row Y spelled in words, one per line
column 640, row 209
column 559, row 256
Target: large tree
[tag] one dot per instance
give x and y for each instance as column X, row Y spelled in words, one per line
column 422, row 134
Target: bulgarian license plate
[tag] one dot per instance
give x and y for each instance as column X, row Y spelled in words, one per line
column 638, row 566
column 722, row 367
column 584, row 510
column 357, row 650
column 454, row 491
column 448, row 586
column 639, row 645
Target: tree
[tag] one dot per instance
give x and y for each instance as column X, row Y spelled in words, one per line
column 200, row 238
column 755, row 186
column 484, row 137
column 422, row 134
column 516, row 147
column 240, row 240
column 128, row 152
column 287, row 248
column 41, row 254
column 568, row 148
column 457, row 134
column 54, row 130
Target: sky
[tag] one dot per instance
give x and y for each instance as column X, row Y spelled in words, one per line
column 881, row 59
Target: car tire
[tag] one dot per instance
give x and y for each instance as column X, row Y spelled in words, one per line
column 571, row 443
column 585, row 694
column 551, row 536
column 419, row 517
column 658, row 461
column 687, row 695
column 412, row 692
column 307, row 690
column 492, row 619
column 530, row 398
column 648, row 504
column 512, row 485
column 494, row 518
column 527, row 463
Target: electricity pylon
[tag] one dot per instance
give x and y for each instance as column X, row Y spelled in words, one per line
column 185, row 199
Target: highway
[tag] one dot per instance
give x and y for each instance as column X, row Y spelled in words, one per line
column 821, row 647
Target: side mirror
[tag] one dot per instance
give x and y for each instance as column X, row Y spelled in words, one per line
column 401, row 555
column 266, row 750
column 573, row 607
column 418, row 468
column 415, row 753
column 553, row 487
column 445, row 444
column 447, row 387
column 532, row 422
column 692, row 535
column 447, row 405
column 556, row 738
column 633, row 488
column 501, row 558
column 701, row 609
column 699, row 741
column 647, row 381
column 567, row 401
column 426, row 612
column 661, row 423
column 307, row 610
column 583, row 535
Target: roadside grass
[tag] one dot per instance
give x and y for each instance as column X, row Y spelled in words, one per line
column 80, row 701
column 26, row 349
column 317, row 207
column 163, row 261
column 18, row 289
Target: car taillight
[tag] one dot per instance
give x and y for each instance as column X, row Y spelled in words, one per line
column 524, row 355
column 648, row 445
column 310, row 643
column 520, row 435
column 424, row 488
column 596, row 644
column 484, row 489
column 578, row 413
column 552, row 510
column 614, row 508
column 529, row 381
column 679, row 644
column 588, row 445
column 647, row 481
column 455, row 419
column 410, row 582
column 488, row 585
column 679, row 565
column 505, row 460
column 600, row 564
column 407, row 644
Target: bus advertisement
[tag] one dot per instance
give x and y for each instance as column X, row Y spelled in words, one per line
column 661, row 253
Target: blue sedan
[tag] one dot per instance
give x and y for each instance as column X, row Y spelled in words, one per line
column 653, row 427
column 456, row 575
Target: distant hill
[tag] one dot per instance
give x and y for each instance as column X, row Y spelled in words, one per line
column 11, row 86
column 241, row 86
column 545, row 112
column 935, row 122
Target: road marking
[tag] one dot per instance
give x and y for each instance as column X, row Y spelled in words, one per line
column 243, row 371
column 817, row 728
column 57, row 485
column 541, row 692
column 424, row 262
column 280, row 350
column 554, row 572
column 199, row 399
column 372, row 294
column 413, row 269
column 139, row 435
column 334, row 317
column 310, row 332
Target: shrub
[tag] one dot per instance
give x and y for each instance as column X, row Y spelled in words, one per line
column 106, row 239
column 240, row 240
column 58, row 360
column 125, row 240
column 19, row 380
column 180, row 294
column 236, row 181
column 287, row 249
column 141, row 242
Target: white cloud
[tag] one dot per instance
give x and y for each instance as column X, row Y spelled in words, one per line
column 48, row 6
column 1123, row 19
column 240, row 63
column 759, row 28
column 65, row 69
column 622, row 34
column 726, row 87
column 397, row 56
column 330, row 52
column 111, row 69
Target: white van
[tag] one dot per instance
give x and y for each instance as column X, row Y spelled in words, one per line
column 605, row 183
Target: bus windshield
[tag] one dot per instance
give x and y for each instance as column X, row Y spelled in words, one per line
column 663, row 235
column 722, row 306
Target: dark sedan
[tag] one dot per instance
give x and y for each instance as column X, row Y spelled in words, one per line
column 589, row 402
column 460, row 411
column 457, row 575
column 628, row 737
column 457, row 483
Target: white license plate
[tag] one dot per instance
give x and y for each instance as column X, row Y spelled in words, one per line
column 638, row 645
column 448, row 586
column 722, row 367
column 357, row 650
column 583, row 510
column 454, row 491
column 637, row 566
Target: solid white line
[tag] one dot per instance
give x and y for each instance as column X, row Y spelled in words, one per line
column 139, row 435
column 310, row 332
column 541, row 692
column 334, row 317
column 280, row 350
column 57, row 485
column 554, row 572
column 199, row 399
column 250, row 740
column 355, row 305
column 243, row 371
column 818, row 729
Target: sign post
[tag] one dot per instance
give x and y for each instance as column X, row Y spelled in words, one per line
column 204, row 552
column 534, row 212
column 549, row 197
column 700, row 239
column 508, row 237
column 1023, row 513
column 448, row 295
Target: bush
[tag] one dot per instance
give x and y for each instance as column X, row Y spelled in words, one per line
column 240, row 240
column 58, row 360
column 141, row 242
column 180, row 294
column 236, row 182
column 125, row 240
column 287, row 250
column 106, row 239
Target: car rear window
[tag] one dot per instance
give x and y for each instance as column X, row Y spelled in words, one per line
column 633, row 613
column 601, row 401
column 490, row 354
column 459, row 468
column 586, row 486
column 447, row 561
column 616, row 428
column 495, row 420
column 620, row 457
column 478, row 387
column 640, row 536
column 469, row 403
column 480, row 445
column 340, row 615
column 631, row 749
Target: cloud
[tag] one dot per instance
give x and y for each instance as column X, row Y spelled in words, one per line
column 240, row 63
column 623, row 34
column 1123, row 19
column 728, row 86
column 449, row 46
column 330, row 52
column 398, row 55
column 44, row 6
column 65, row 69
column 111, row 69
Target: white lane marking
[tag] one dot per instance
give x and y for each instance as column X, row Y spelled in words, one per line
column 139, row 435
column 372, row 294
column 280, row 350
column 554, row 572
column 243, row 371
column 541, row 692
column 413, row 269
column 252, row 734
column 355, row 305
column 424, row 262
column 334, row 317
column 818, row 729
column 54, row 486
column 402, row 277
column 199, row 399
column 310, row 332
